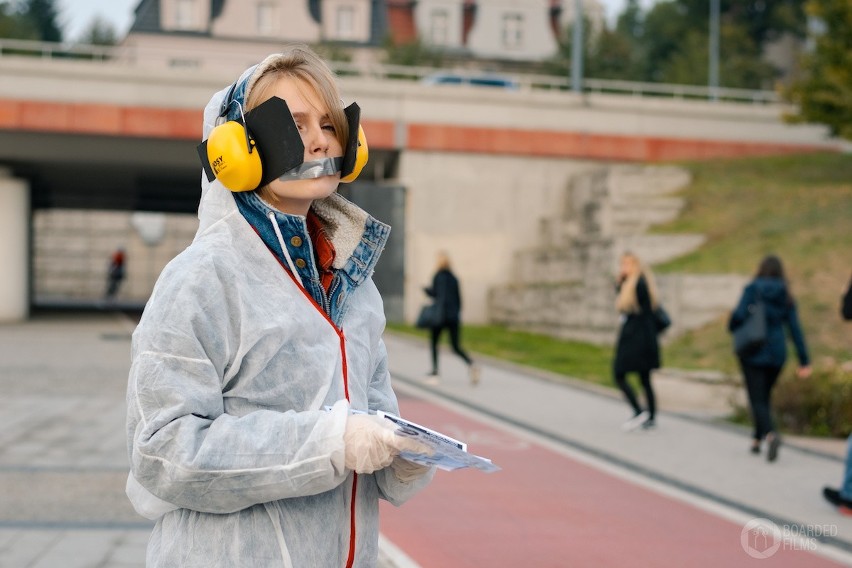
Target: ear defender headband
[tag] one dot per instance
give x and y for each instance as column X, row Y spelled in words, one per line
column 264, row 144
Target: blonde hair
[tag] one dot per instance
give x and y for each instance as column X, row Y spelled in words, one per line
column 301, row 63
column 443, row 261
column 626, row 301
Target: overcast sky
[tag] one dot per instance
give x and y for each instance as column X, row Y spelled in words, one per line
column 76, row 15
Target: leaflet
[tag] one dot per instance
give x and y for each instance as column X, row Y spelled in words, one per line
column 448, row 453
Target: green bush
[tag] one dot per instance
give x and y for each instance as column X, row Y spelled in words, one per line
column 818, row 406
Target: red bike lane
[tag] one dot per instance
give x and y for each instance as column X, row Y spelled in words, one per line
column 545, row 509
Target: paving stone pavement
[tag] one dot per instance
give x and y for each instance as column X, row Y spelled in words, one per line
column 63, row 458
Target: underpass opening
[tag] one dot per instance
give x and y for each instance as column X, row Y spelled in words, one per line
column 93, row 195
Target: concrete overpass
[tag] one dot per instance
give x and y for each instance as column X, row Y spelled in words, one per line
column 115, row 136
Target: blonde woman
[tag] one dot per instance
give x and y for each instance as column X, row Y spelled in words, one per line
column 637, row 350
column 259, row 356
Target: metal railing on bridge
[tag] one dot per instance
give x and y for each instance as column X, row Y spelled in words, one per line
column 52, row 50
column 135, row 56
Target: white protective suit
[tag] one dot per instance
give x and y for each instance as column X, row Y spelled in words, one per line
column 232, row 364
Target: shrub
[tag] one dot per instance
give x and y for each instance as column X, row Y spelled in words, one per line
column 818, row 406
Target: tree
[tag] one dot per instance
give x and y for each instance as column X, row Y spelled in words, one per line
column 560, row 63
column 665, row 30
column 630, row 22
column 824, row 92
column 620, row 53
column 43, row 15
column 13, row 25
column 612, row 55
column 740, row 63
column 415, row 53
column 676, row 38
column 99, row 32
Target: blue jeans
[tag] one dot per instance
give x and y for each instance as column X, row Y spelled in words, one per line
column 846, row 489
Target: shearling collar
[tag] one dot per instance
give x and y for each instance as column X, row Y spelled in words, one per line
column 358, row 240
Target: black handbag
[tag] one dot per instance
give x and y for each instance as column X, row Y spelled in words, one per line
column 750, row 336
column 661, row 319
column 430, row 317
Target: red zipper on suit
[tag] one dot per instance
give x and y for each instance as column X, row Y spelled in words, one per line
column 350, row 558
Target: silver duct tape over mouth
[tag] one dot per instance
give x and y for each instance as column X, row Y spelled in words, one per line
column 314, row 169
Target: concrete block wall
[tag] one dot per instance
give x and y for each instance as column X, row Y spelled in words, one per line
column 482, row 210
column 656, row 249
column 695, row 300
column 576, row 308
column 640, row 197
column 72, row 249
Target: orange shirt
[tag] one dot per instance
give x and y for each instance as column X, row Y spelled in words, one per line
column 323, row 248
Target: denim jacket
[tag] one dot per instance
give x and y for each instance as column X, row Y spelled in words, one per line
column 351, row 270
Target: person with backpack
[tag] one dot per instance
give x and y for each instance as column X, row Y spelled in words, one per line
column 762, row 364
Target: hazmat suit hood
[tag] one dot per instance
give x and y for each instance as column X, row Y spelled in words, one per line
column 343, row 221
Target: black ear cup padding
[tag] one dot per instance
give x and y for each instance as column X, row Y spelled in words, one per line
column 353, row 117
column 271, row 126
column 205, row 163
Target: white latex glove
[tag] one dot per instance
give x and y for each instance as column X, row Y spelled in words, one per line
column 407, row 471
column 370, row 443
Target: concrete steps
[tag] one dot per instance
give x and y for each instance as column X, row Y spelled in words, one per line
column 657, row 249
column 564, row 285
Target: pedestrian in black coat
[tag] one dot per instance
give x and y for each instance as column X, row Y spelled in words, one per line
column 447, row 296
column 762, row 367
column 637, row 349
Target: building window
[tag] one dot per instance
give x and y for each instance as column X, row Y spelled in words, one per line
column 345, row 22
column 513, row 31
column 266, row 18
column 438, row 27
column 185, row 14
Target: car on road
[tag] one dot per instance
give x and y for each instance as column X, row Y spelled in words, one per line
column 488, row 80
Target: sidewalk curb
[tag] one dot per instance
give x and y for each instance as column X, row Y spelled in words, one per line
column 611, row 393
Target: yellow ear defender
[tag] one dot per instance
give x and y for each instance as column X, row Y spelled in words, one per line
column 265, row 143
column 361, row 156
column 230, row 153
column 233, row 157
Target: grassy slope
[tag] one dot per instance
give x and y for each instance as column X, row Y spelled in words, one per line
column 799, row 207
column 588, row 362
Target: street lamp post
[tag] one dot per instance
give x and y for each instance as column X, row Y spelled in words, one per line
column 577, row 49
column 713, row 78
